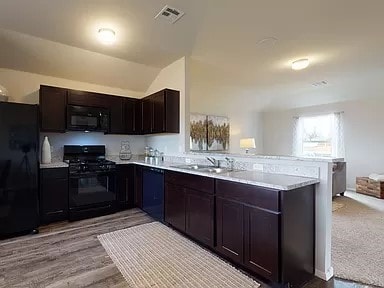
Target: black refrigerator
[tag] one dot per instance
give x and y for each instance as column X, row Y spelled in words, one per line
column 18, row 168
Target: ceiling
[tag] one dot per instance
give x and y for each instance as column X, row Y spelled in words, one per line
column 341, row 38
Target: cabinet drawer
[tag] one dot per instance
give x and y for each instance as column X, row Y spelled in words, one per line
column 249, row 194
column 196, row 182
column 55, row 173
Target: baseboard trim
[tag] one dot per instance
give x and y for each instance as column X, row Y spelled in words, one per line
column 324, row 275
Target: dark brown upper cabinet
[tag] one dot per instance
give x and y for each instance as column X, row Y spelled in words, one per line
column 53, row 102
column 90, row 99
column 147, row 108
column 116, row 115
column 133, row 116
column 161, row 112
column 157, row 113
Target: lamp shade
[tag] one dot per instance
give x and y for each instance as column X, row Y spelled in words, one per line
column 3, row 93
column 247, row 143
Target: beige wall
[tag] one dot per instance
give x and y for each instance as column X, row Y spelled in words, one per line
column 23, row 87
column 363, row 137
column 173, row 77
column 245, row 120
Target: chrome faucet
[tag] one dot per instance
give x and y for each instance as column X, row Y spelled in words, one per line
column 214, row 161
column 230, row 163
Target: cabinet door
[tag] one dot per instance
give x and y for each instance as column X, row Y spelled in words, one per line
column 261, row 251
column 172, row 111
column 138, row 197
column 199, row 216
column 116, row 109
column 53, row 102
column 147, row 108
column 53, row 195
column 158, row 100
column 125, row 186
column 131, row 117
column 175, row 206
column 138, row 117
column 230, row 232
column 90, row 99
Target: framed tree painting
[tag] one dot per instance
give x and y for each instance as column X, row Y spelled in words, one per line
column 218, row 133
column 198, row 136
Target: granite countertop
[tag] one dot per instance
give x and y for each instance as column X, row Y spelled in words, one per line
column 58, row 164
column 268, row 157
column 267, row 180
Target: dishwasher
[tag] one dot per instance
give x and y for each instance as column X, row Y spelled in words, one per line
column 153, row 193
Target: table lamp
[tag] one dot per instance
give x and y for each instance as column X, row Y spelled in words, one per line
column 247, row 143
column 3, row 94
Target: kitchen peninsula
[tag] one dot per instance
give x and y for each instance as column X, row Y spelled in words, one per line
column 261, row 222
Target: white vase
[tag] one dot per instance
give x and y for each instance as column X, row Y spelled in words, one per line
column 46, row 152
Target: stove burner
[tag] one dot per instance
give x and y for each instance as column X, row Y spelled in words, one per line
column 87, row 159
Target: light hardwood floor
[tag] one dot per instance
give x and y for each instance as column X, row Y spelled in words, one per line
column 65, row 254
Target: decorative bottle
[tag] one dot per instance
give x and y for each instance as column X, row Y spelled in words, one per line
column 46, row 152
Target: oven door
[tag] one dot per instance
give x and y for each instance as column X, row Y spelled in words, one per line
column 92, row 189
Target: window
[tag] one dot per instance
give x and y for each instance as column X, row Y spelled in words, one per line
column 319, row 136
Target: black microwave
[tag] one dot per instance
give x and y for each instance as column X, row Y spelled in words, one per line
column 81, row 118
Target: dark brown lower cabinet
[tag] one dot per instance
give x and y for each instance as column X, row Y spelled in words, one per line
column 261, row 242
column 125, row 186
column 230, row 229
column 175, row 206
column 267, row 232
column 53, row 195
column 200, row 216
column 189, row 205
column 138, row 190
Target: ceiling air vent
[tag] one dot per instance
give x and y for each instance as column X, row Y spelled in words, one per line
column 169, row 13
column 320, row 83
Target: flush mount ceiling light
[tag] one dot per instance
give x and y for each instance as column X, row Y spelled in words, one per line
column 300, row 64
column 106, row 36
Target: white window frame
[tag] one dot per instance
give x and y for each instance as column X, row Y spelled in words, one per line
column 338, row 145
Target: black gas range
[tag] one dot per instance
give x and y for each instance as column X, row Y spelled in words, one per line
column 92, row 181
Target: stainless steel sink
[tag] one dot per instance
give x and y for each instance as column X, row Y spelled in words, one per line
column 205, row 168
column 192, row 167
column 218, row 170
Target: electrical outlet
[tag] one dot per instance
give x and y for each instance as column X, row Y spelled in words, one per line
column 188, row 160
column 258, row 167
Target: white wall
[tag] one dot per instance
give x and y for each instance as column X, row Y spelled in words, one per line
column 363, row 137
column 245, row 120
column 173, row 77
column 23, row 87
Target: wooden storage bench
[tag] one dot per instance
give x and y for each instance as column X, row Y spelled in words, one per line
column 367, row 186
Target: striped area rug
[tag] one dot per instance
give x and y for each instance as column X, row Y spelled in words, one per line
column 153, row 255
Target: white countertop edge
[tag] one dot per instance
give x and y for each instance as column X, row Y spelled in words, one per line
column 54, row 165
